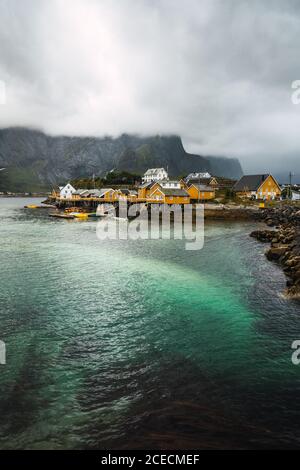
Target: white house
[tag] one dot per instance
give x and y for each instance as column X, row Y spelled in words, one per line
column 197, row 176
column 66, row 192
column 168, row 184
column 155, row 174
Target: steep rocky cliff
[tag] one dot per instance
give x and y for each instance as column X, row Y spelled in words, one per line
column 36, row 161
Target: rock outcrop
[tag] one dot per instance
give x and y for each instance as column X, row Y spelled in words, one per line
column 285, row 242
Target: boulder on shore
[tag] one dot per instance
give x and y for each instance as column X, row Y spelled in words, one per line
column 274, row 254
column 264, row 236
column 285, row 242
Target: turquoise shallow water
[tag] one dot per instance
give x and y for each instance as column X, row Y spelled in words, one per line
column 142, row 343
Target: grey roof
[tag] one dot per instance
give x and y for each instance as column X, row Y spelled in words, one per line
column 203, row 181
column 223, row 182
column 250, row 182
column 147, row 185
column 128, row 192
column 79, row 191
column 102, row 191
column 93, row 192
column 203, row 187
column 168, row 182
column 173, row 192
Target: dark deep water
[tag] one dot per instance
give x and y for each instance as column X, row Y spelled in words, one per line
column 142, row 343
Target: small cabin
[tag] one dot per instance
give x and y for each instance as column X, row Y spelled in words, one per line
column 66, row 192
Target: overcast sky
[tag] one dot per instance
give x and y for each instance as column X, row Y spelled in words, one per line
column 216, row 72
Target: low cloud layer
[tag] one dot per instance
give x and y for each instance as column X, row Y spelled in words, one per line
column 216, row 72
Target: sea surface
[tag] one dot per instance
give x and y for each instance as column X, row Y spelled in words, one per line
column 142, row 344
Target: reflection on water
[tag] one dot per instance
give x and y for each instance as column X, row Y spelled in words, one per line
column 142, row 343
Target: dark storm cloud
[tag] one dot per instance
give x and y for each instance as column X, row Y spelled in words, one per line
column 217, row 72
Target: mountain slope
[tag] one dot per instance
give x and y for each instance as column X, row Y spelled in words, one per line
column 35, row 161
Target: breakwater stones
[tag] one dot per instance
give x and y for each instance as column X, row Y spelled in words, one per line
column 285, row 242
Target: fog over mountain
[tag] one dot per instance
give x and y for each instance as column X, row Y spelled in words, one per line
column 36, row 161
column 217, row 73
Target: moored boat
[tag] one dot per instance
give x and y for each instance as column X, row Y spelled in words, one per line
column 43, row 206
column 80, row 215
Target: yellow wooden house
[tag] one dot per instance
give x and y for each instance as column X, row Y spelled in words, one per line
column 200, row 192
column 261, row 187
column 109, row 194
column 145, row 189
column 169, row 196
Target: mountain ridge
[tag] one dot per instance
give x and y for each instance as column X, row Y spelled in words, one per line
column 36, row 161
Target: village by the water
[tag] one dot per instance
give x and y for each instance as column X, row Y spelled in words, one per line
column 156, row 187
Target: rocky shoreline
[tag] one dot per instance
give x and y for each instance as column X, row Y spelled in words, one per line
column 230, row 212
column 285, row 242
